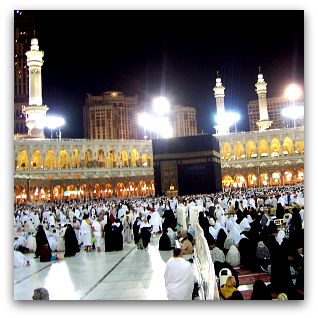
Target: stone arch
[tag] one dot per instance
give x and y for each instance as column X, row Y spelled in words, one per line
column 134, row 158
column 239, row 181
column 88, row 159
column 151, row 187
column 23, row 160
column 84, row 191
column 96, row 190
column 75, row 159
column 120, row 189
column 35, row 194
column 36, row 162
column 123, row 158
column 50, row 160
column 288, row 148
column 276, row 148
column 144, row 160
column 109, row 190
column 251, row 180
column 58, row 192
column 111, row 159
column 299, row 147
column 300, row 175
column 132, row 188
column 288, row 177
column 226, row 151
column 251, row 151
column 263, row 149
column 264, row 179
column 73, row 191
column 101, row 161
column 63, row 159
column 142, row 188
column 150, row 160
column 227, row 181
column 276, row 178
column 239, row 151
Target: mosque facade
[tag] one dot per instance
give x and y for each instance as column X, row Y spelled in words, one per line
column 60, row 169
column 55, row 169
column 261, row 158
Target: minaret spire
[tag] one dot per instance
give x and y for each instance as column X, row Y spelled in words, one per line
column 35, row 112
column 221, row 127
column 264, row 122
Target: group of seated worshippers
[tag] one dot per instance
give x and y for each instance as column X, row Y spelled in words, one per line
column 258, row 246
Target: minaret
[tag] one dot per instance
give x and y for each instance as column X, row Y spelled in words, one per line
column 263, row 123
column 221, row 129
column 35, row 112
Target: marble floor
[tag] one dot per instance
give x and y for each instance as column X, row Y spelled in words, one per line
column 130, row 274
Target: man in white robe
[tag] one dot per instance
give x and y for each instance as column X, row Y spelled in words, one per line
column 97, row 233
column 179, row 277
column 155, row 222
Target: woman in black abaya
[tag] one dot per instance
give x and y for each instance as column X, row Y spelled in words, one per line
column 71, row 243
column 118, row 241
column 42, row 243
column 145, row 233
column 108, row 236
column 281, row 281
column 136, row 227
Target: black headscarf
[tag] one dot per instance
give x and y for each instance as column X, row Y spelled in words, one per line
column 164, row 242
column 260, row 291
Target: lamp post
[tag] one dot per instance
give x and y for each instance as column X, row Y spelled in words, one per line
column 157, row 124
column 161, row 106
column 227, row 119
column 293, row 92
column 53, row 123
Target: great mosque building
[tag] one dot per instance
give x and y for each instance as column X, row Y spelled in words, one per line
column 261, row 158
column 52, row 169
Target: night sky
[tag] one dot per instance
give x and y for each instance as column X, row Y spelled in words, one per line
column 176, row 53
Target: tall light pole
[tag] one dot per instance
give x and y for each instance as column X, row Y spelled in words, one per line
column 227, row 119
column 161, row 106
column 293, row 92
column 53, row 122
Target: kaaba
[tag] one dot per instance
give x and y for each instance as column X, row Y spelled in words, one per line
column 187, row 165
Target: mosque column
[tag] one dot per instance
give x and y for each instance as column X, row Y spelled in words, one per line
column 264, row 122
column 28, row 188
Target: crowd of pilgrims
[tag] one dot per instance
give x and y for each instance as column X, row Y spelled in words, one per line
column 239, row 227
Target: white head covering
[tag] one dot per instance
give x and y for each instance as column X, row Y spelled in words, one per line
column 229, row 241
column 229, row 224
column 233, row 256
column 213, row 232
column 280, row 236
column 244, row 224
column 217, row 227
column 217, row 255
column 235, row 234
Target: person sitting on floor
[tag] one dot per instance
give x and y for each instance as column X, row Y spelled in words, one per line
column 228, row 288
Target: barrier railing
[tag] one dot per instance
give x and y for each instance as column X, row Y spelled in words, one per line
column 181, row 219
column 203, row 258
